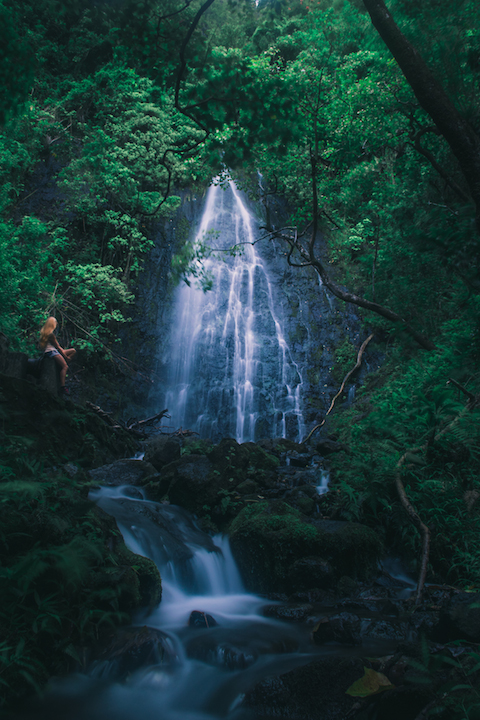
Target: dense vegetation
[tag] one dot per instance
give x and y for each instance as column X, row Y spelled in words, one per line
column 107, row 112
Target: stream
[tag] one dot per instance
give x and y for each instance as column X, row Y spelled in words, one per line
column 213, row 641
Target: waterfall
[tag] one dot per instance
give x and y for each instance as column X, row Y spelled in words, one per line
column 231, row 370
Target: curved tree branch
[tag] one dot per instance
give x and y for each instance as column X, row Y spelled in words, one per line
column 345, row 380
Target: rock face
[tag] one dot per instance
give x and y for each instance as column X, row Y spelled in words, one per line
column 273, row 545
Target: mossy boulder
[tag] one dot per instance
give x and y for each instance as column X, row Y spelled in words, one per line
column 162, row 450
column 188, row 482
column 210, row 484
column 269, row 539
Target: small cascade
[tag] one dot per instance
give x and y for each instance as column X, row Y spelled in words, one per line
column 351, row 394
column 322, row 488
column 209, row 667
column 231, row 370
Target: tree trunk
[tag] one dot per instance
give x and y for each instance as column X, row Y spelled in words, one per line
column 459, row 134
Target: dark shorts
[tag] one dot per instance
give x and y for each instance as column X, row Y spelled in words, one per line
column 51, row 353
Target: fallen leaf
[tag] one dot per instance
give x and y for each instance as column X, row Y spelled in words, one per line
column 371, row 683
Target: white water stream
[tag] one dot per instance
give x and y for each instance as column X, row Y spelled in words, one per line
column 209, row 668
column 231, row 370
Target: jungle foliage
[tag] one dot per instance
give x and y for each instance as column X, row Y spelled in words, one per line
column 98, row 133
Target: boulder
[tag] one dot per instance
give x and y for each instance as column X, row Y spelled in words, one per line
column 343, row 628
column 223, row 654
column 327, row 447
column 200, row 619
column 135, row 648
column 188, row 482
column 16, row 365
column 124, row 472
column 230, row 458
column 293, row 612
column 269, row 539
column 50, row 376
column 460, row 620
column 162, row 450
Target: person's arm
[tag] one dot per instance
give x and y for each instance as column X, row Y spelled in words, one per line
column 55, row 342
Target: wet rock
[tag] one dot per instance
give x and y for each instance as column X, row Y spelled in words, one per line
column 200, row 619
column 166, row 539
column 343, row 628
column 425, row 623
column 134, row 648
column 385, row 629
column 311, row 572
column 460, row 620
column 223, row 654
column 315, row 595
column 355, row 548
column 367, row 605
column 188, row 483
column 304, row 503
column 327, row 447
column 295, row 459
column 123, row 472
column 291, row 613
column 316, row 690
column 162, row 450
column 259, row 458
column 347, row 587
column 16, row 365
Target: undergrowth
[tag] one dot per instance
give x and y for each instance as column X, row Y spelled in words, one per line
column 402, row 407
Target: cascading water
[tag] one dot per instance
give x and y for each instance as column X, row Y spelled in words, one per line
column 205, row 670
column 216, row 644
column 231, row 371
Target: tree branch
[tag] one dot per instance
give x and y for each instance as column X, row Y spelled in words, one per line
column 345, row 380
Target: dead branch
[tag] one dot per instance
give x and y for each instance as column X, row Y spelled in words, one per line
column 183, row 433
column 466, row 392
column 410, row 455
column 148, row 421
column 414, row 517
column 345, row 380
column 104, row 415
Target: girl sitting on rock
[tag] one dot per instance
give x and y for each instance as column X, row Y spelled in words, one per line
column 51, row 348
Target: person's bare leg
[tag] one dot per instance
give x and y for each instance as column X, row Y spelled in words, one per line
column 63, row 369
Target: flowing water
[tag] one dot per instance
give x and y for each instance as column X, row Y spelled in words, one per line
column 207, row 669
column 231, row 369
column 216, row 642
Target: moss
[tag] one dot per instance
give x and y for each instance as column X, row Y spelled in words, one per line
column 345, row 357
column 269, row 537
